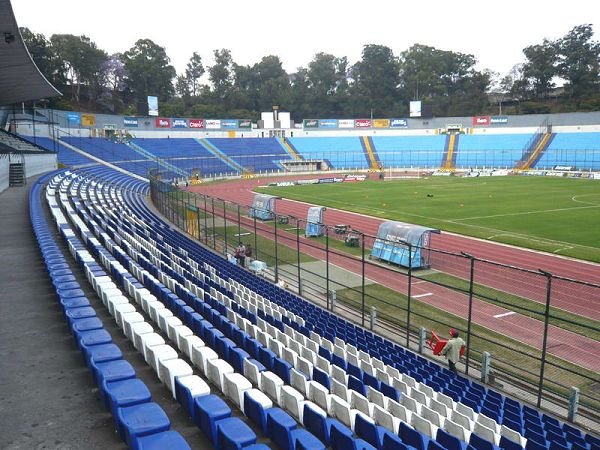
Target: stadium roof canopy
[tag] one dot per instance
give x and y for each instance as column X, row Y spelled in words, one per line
column 21, row 80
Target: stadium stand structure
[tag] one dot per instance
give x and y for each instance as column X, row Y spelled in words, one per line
column 450, row 152
column 578, row 150
column 260, row 154
column 367, row 145
column 410, row 151
column 339, row 152
column 289, row 148
column 284, row 361
column 219, row 154
column 66, row 156
column 493, row 150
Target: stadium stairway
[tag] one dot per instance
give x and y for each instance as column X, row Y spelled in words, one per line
column 450, row 152
column 290, row 348
column 369, row 149
column 533, row 154
column 219, row 154
column 289, row 148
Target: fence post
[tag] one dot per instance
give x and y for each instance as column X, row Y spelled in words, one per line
column 545, row 341
column 205, row 221
column 373, row 317
column 470, row 313
column 255, row 237
column 362, row 287
column 327, row 263
column 214, row 235
column 276, row 257
column 486, row 364
column 573, row 404
column 239, row 222
column 225, row 229
column 409, row 293
column 333, row 296
column 298, row 256
column 422, row 339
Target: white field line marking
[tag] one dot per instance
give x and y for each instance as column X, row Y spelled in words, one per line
column 420, row 281
column 422, row 295
column 526, row 212
column 510, row 313
column 242, row 234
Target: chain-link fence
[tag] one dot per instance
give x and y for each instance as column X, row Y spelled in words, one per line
column 541, row 330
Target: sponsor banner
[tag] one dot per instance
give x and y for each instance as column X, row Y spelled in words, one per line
column 283, row 183
column 244, row 123
column 381, row 123
column 346, row 123
column 88, row 120
column 131, row 122
column 152, row 105
column 310, row 123
column 229, row 123
column 499, row 119
column 196, row 123
column 179, row 123
column 362, row 123
column 481, row 120
column 328, row 123
column 398, row 123
column 313, row 181
column 163, row 123
column 415, row 108
column 73, row 118
column 354, row 178
column 213, row 124
column 454, row 126
column 326, row 180
column 110, row 126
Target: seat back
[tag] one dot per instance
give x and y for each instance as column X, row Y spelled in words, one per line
column 314, row 420
column 448, row 441
column 298, row 381
column 398, row 411
column 479, row 443
column 376, row 397
column 319, row 394
column 411, row 437
column 385, row 419
column 486, row 433
column 423, row 425
column 360, row 402
column 455, row 430
column 365, row 428
column 340, row 409
column 292, row 401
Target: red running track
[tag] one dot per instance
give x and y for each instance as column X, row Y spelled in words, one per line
column 567, row 345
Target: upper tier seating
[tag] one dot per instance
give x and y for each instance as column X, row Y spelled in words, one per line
column 580, row 150
column 410, row 151
column 104, row 149
column 258, row 154
column 341, row 152
column 66, row 156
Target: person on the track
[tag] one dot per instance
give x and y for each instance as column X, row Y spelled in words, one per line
column 452, row 349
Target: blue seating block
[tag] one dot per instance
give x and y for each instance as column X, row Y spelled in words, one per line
column 303, row 440
column 112, row 371
column 279, row 428
column 413, row 438
column 233, row 434
column 123, row 393
column 393, row 442
column 255, row 412
column 317, row 424
column 141, row 420
column 208, row 410
column 170, row 440
column 369, row 431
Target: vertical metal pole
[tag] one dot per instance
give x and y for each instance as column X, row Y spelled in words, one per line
column 409, row 293
column 298, row 256
column 545, row 341
column 225, row 228
column 573, row 404
column 362, row 287
column 239, row 222
column 205, row 221
column 213, row 224
column 327, row 263
column 255, row 239
column 470, row 313
column 276, row 258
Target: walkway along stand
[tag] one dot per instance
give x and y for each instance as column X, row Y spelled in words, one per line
column 398, row 241
column 314, row 221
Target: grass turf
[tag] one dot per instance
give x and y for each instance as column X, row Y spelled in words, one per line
column 558, row 215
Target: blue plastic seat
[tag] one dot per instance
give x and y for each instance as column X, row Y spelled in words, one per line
column 369, row 431
column 255, row 411
column 393, row 442
column 279, row 428
column 479, row 443
column 412, row 437
column 123, row 393
column 356, row 385
column 282, row 369
column 303, row 440
column 535, row 445
column 448, row 441
column 233, row 434
column 93, row 338
column 322, row 377
column 317, row 424
column 208, row 410
column 141, row 420
column 171, row 440
column 342, row 439
column 507, row 444
column 112, row 371
column 102, row 353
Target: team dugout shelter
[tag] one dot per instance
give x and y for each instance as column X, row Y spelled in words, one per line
column 404, row 244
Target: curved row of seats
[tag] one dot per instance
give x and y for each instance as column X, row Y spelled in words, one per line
column 140, row 422
column 413, row 393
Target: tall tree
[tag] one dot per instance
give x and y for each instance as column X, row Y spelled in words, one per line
column 182, row 86
column 579, row 62
column 45, row 57
column 540, row 67
column 193, row 72
column 114, row 75
column 328, row 83
column 149, row 71
column 221, row 73
column 274, row 83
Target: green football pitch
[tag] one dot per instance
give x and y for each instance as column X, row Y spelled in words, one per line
column 557, row 215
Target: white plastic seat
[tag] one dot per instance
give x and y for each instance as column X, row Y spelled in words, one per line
column 150, row 340
column 308, row 354
column 158, row 353
column 399, row 411
column 318, row 394
column 456, row 430
column 486, row 433
column 235, row 384
column 130, row 319
column 200, row 357
column 385, row 419
column 107, row 294
column 196, row 385
column 170, row 368
column 513, row 435
column 276, row 347
column 153, row 308
column 323, row 364
column 181, row 333
column 271, row 385
column 251, row 372
column 360, row 403
column 392, row 372
column 137, row 331
column 443, row 398
column 377, row 364
column 488, row 422
column 161, row 317
column 188, row 344
column 289, row 356
column 439, row 408
column 341, row 410
column 298, row 381
column 427, row 390
column 304, row 366
column 400, row 386
column 339, row 389
column 465, row 411
column 383, row 376
column 376, row 397
column 172, row 323
column 410, row 381
column 434, row 417
column 293, row 402
column 462, row 420
column 419, row 396
column 259, row 397
column 337, row 373
column 424, row 426
column 216, row 370
column 353, row 359
column 119, row 310
column 411, row 404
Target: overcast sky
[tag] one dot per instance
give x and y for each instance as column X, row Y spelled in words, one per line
column 495, row 32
